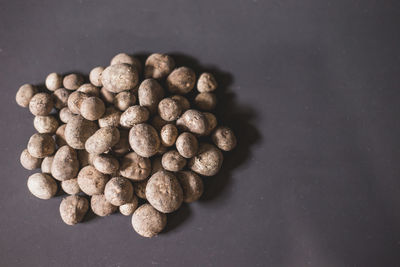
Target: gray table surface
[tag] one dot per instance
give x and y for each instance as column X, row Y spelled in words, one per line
column 311, row 88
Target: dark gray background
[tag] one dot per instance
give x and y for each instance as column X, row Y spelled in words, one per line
column 311, row 88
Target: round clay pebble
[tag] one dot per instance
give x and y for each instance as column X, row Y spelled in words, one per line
column 224, row 138
column 118, row 191
column 211, row 122
column 41, row 145
column 73, row 209
column 71, row 186
column 60, row 97
column 158, row 66
column 173, row 161
column 78, row 130
column 127, row 59
column 164, row 192
column 110, row 118
column 53, row 81
column 60, row 136
column 122, row 147
column 25, row 94
column 89, row 89
column 208, row 160
column 182, row 102
column 169, row 109
column 65, row 164
column 95, row 76
column 91, row 181
column 150, row 94
column 144, row 139
column 41, row 104
column 42, row 186
column 206, row 83
column 124, row 100
column 168, row 135
column 46, row 164
column 101, row 206
column 65, row 115
column 92, row 108
column 28, row 161
column 181, row 80
column 106, row 164
column 135, row 167
column 140, row 188
column 72, row 81
column 205, row 101
column 193, row 121
column 45, row 124
column 187, row 145
column 107, row 96
column 75, row 100
column 129, row 208
column 192, row 185
column 102, row 140
column 134, row 115
column 119, row 77
column 147, row 221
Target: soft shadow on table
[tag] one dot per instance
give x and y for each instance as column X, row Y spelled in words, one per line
column 229, row 112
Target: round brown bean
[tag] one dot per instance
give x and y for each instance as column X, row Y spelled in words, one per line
column 73, row 209
column 181, row 80
column 150, row 94
column 135, row 167
column 144, row 140
column 134, row 115
column 91, row 181
column 118, row 191
column 224, row 138
column 75, row 100
column 106, row 164
column 71, row 186
column 168, row 135
column 42, row 186
column 45, row 124
column 127, row 59
column 208, row 160
column 65, row 164
column 60, row 97
column 78, row 130
column 182, row 102
column 53, row 81
column 192, row 185
column 211, row 122
column 206, row 83
column 158, row 66
column 89, row 89
column 92, row 108
column 41, row 104
column 95, row 76
column 41, row 145
column 130, row 207
column 169, row 109
column 119, row 77
column 173, row 161
column 65, row 115
column 147, row 221
column 28, row 161
column 107, row 96
column 193, row 121
column 46, row 164
column 110, row 118
column 25, row 94
column 187, row 145
column 124, row 100
column 140, row 188
column 205, row 101
column 164, row 192
column 73, row 81
column 102, row 140
column 101, row 206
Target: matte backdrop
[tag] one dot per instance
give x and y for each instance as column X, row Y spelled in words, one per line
column 311, row 89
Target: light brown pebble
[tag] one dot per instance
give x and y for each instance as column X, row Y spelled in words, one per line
column 173, row 161
column 147, row 221
column 134, row 115
column 168, row 135
column 65, row 164
column 91, row 181
column 42, row 186
column 140, row 188
column 95, row 76
column 41, row 145
column 41, row 104
column 102, row 140
column 25, row 94
column 101, row 206
column 65, row 115
column 73, row 209
column 144, row 140
column 187, row 145
column 71, row 186
column 92, row 108
column 107, row 96
column 45, row 124
column 205, row 101
column 72, row 81
column 181, row 81
column 46, row 164
column 150, row 94
column 206, row 83
column 135, row 167
column 208, row 160
column 164, row 192
column 78, row 130
column 158, row 66
column 75, row 100
column 194, row 121
column 124, row 100
column 127, row 59
column 111, row 117
column 28, row 161
column 106, row 164
column 53, row 81
column 183, row 102
column 169, row 109
column 119, row 77
column 211, row 122
column 118, row 191
column 89, row 89
column 224, row 138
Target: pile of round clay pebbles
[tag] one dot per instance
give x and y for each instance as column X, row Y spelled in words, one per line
column 133, row 134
